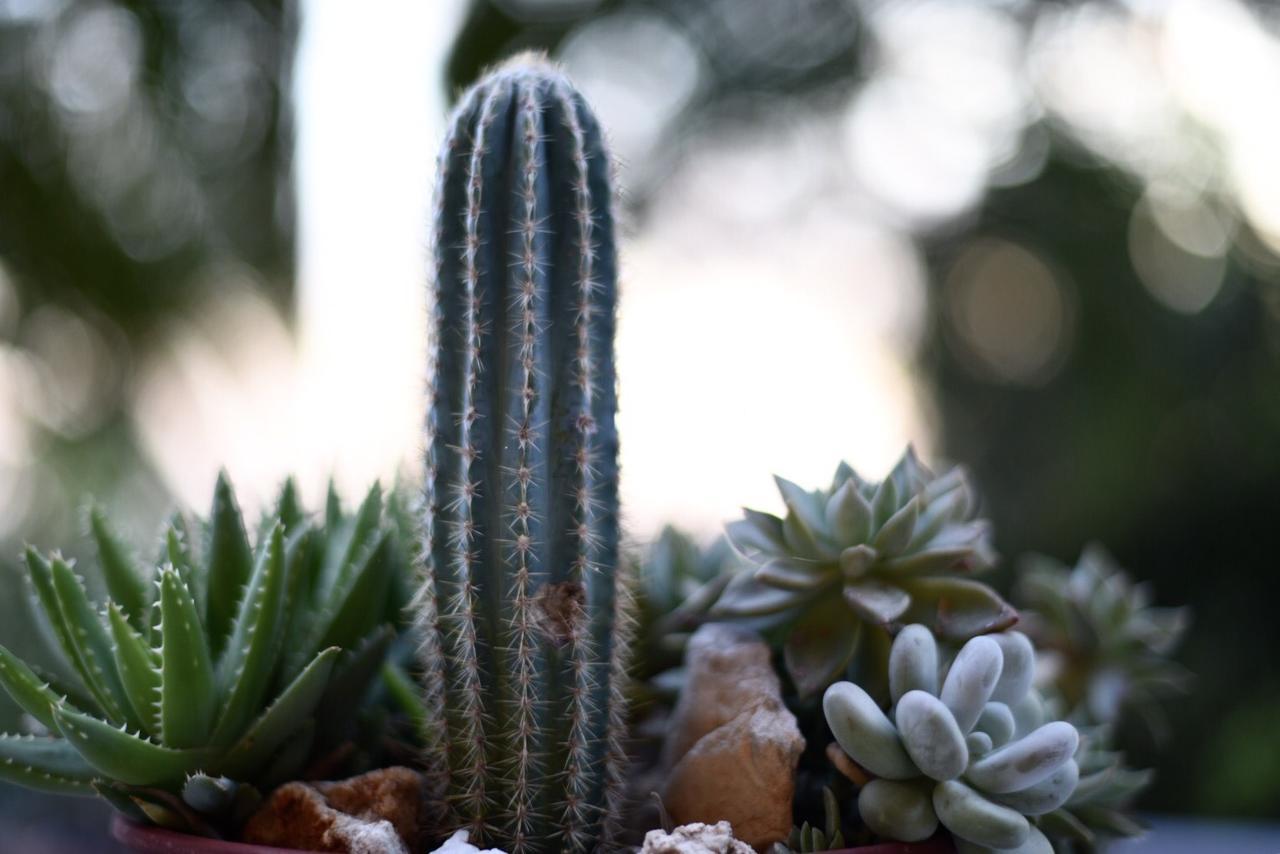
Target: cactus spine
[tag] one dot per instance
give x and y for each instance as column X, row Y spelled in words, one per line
column 522, row 603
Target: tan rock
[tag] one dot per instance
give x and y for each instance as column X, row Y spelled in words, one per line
column 733, row 746
column 695, row 839
column 375, row 813
column 729, row 671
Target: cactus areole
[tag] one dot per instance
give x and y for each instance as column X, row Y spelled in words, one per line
column 521, row 599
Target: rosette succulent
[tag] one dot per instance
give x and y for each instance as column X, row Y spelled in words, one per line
column 1103, row 645
column 862, row 554
column 974, row 754
column 216, row 674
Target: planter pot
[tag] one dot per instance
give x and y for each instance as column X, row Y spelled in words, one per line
column 148, row 839
column 940, row 844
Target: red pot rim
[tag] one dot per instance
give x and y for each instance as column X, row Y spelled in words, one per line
column 149, row 839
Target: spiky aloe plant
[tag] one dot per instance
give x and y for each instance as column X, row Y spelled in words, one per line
column 212, row 675
column 848, row 561
column 973, row 754
column 521, row 604
column 1105, row 645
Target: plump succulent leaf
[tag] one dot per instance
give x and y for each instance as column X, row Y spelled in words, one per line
column 936, row 759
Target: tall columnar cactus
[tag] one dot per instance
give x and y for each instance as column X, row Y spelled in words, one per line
column 522, row 603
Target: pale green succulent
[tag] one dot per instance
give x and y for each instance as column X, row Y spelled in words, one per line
column 861, row 554
column 974, row 755
column 1098, row 810
column 1105, row 647
column 678, row 582
column 213, row 675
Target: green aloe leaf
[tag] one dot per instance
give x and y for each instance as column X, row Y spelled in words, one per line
column 139, row 669
column 244, row 673
column 350, row 681
column 289, row 507
column 821, row 645
column 47, row 764
column 124, row 756
column 360, row 597
column 92, row 643
column 957, row 608
column 187, row 689
column 32, row 694
column 282, row 717
column 125, row 581
column 179, row 555
column 40, row 573
column 229, row 560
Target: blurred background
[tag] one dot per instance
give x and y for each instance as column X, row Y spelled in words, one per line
column 1038, row 238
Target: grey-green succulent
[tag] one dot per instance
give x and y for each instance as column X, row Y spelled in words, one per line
column 971, row 751
column 1099, row 809
column 859, row 557
column 523, row 606
column 214, row 673
column 808, row 839
column 1104, row 646
column 678, row 580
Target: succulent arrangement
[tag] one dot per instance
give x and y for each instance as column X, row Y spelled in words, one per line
column 233, row 663
column 860, row 557
column 524, row 605
column 212, row 676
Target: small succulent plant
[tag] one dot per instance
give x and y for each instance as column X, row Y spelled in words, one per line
column 678, row 580
column 1098, row 809
column 974, row 755
column 861, row 555
column 215, row 674
column 807, row 839
column 1104, row 646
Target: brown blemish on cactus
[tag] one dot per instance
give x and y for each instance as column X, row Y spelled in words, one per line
column 560, row 610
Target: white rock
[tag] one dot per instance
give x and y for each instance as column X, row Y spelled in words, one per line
column 695, row 838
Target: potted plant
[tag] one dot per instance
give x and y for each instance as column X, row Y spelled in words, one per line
column 209, row 687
